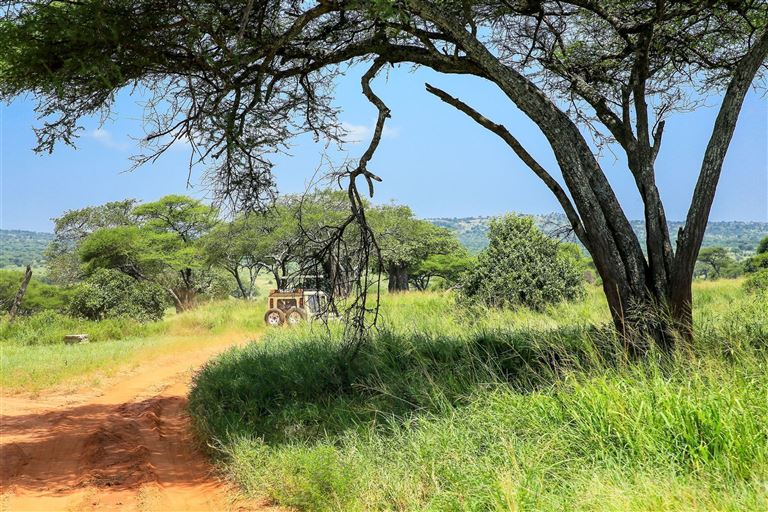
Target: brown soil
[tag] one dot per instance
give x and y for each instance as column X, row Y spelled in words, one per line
column 125, row 446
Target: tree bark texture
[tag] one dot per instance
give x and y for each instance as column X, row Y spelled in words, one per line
column 20, row 294
column 398, row 279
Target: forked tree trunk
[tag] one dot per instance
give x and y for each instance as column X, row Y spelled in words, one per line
column 643, row 317
column 398, row 279
column 649, row 296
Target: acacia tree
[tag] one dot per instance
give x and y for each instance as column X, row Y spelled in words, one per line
column 162, row 246
column 717, row 258
column 238, row 79
column 239, row 248
column 73, row 227
column 180, row 222
column 406, row 242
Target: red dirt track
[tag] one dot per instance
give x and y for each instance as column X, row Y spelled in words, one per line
column 124, row 447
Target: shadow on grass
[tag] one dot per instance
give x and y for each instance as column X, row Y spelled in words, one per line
column 301, row 389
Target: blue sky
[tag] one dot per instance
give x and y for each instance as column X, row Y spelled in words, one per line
column 432, row 158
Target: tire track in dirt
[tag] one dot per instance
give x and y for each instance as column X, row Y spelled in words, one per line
column 125, row 447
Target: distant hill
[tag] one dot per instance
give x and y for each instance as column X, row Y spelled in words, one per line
column 21, row 248
column 740, row 237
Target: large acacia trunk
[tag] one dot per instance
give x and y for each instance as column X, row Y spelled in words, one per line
column 398, row 278
column 645, row 317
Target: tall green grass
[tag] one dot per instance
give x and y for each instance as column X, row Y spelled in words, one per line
column 469, row 410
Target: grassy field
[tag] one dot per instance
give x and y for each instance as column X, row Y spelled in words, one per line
column 469, row 410
column 33, row 356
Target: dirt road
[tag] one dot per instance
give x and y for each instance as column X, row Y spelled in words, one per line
column 126, row 446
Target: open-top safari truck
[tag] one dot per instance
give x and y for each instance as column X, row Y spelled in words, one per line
column 294, row 302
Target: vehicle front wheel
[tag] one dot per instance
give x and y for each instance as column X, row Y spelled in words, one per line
column 295, row 316
column 274, row 317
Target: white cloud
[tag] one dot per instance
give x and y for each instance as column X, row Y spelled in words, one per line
column 106, row 139
column 357, row 133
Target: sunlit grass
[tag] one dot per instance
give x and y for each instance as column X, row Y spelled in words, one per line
column 33, row 355
column 454, row 409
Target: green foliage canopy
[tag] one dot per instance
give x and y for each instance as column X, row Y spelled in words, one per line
column 162, row 245
column 71, row 228
column 759, row 261
column 110, row 293
column 406, row 243
column 719, row 262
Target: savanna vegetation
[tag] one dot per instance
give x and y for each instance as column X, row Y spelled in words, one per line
column 115, row 271
column 508, row 381
column 241, row 87
column 453, row 408
column 34, row 357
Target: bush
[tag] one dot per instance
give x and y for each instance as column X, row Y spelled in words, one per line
column 757, row 282
column 522, row 267
column 756, row 263
column 109, row 293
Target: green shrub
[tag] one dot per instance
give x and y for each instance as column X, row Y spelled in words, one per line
column 757, row 282
column 110, row 294
column 522, row 267
column 756, row 263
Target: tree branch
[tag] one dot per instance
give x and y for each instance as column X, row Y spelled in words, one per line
column 691, row 236
column 514, row 144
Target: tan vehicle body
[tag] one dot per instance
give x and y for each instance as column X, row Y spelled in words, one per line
column 294, row 306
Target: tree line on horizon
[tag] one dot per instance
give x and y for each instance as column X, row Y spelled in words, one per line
column 131, row 258
column 186, row 247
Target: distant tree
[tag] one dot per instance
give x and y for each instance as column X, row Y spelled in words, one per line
column 449, row 267
column 762, row 246
column 162, row 247
column 406, row 242
column 521, row 267
column 716, row 258
column 243, row 248
column 73, row 227
column 293, row 237
column 759, row 261
column 320, row 247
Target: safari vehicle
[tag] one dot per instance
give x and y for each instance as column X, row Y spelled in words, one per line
column 294, row 304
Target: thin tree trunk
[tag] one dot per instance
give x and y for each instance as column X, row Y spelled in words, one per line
column 176, row 300
column 236, row 274
column 20, row 294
